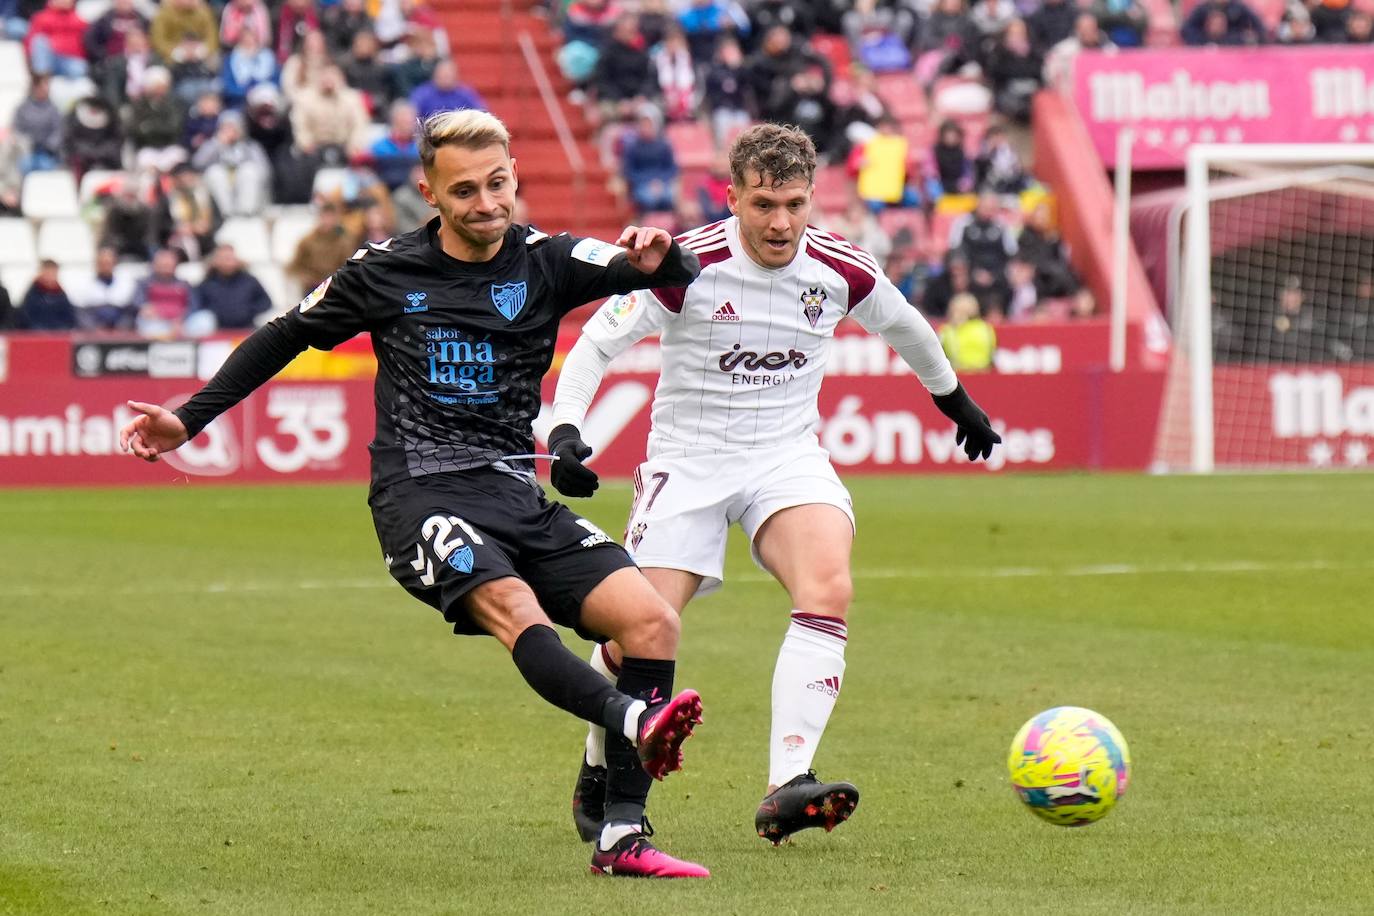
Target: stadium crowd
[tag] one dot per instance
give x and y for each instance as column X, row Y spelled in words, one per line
column 917, row 107
column 157, row 149
column 229, row 156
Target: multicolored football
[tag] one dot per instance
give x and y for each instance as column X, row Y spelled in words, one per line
column 1069, row 765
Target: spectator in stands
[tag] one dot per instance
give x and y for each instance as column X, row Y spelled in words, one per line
column 943, row 34
column 1087, row 36
column 1023, row 297
column 330, row 121
column 417, row 68
column 705, row 22
column 341, row 21
column 769, row 71
column 12, row 154
column 1222, row 22
column 623, row 71
column 92, row 136
column 1052, row 23
column 235, row 168
column 185, row 34
column 797, row 18
column 202, row 120
column 1041, row 245
column 1329, row 18
column 46, row 306
column 444, row 92
column 808, row 105
column 128, row 226
column 248, row 65
column 1295, row 28
column 154, row 123
column 953, row 170
column 1295, row 332
column 268, row 124
column 55, row 41
column 649, row 165
column 187, row 217
column 983, row 238
column 860, row 226
column 967, row 339
column 1015, row 69
column 104, row 300
column 590, row 21
column 377, row 226
column 365, row 72
column 726, row 94
column 711, row 191
column 396, row 19
column 38, row 123
column 655, row 21
column 297, row 19
column 121, row 79
column 998, row 167
column 858, row 109
column 322, row 251
column 302, row 70
column 408, row 206
column 1355, row 326
column 394, row 155
column 162, row 299
column 105, row 37
column 885, row 166
column 241, row 17
column 676, row 75
column 229, row 298
column 986, row 24
column 1359, row 28
column 881, row 33
column 1124, row 21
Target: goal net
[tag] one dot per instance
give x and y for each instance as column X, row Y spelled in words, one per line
column 1272, row 304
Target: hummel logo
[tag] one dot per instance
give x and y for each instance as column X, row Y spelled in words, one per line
column 829, row 686
column 726, row 313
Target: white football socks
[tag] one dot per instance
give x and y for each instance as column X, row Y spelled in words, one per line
column 806, row 683
column 596, row 735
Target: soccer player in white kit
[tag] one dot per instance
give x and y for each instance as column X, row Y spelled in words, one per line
column 744, row 349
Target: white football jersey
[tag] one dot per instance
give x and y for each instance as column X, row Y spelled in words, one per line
column 744, row 347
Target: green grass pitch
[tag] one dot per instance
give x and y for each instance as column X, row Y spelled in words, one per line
column 213, row 700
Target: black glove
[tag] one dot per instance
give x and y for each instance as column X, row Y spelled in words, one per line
column 975, row 433
column 568, row 474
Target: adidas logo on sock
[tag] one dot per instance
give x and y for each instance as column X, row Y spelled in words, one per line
column 726, row 313
column 829, row 686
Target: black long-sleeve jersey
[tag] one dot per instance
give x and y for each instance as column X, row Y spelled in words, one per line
column 461, row 346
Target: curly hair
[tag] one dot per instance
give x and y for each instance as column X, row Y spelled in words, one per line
column 777, row 152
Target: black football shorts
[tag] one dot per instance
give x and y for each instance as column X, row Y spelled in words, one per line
column 444, row 534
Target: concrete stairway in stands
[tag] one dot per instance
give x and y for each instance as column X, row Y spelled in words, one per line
column 485, row 47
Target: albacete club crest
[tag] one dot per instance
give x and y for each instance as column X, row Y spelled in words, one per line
column 813, row 301
column 509, row 298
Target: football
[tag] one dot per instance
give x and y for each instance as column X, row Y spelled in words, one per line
column 1069, row 765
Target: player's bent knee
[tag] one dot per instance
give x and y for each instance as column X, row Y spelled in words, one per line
column 653, row 633
column 829, row 595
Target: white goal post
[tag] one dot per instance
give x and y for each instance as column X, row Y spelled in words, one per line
column 1276, row 258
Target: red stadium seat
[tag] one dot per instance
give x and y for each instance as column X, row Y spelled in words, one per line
column 692, row 144
column 834, row 189
column 834, row 48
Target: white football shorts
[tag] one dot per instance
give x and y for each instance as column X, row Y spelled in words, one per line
column 684, row 504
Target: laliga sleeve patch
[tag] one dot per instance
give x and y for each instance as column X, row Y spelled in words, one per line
column 595, row 251
column 316, row 294
column 618, row 312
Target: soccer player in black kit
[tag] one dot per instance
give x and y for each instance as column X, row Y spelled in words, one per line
column 463, row 314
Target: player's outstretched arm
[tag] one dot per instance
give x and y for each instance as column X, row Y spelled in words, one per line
column 154, row 431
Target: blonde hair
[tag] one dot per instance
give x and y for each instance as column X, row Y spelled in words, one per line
column 963, row 307
column 469, row 128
